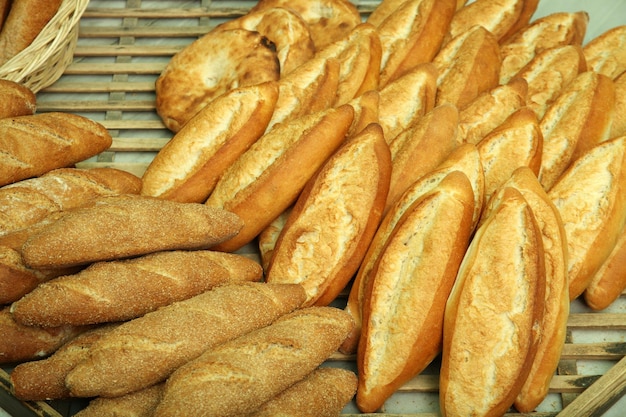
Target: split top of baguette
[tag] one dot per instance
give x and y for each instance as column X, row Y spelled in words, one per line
column 17, row 99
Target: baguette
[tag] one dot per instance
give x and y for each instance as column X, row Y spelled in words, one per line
column 269, row 236
column 322, row 393
column 126, row 226
column 618, row 128
column 5, row 6
column 591, row 200
column 269, row 176
column 334, row 219
column 491, row 326
column 140, row 403
column 122, row 290
column 44, row 379
column 366, row 111
column 606, row 54
column 17, row 99
column 146, row 350
column 187, row 168
column 55, row 140
column 414, row 273
column 239, row 376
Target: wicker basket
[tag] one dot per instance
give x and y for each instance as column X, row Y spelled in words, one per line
column 45, row 59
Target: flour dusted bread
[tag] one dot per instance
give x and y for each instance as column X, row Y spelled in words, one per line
column 239, row 376
column 56, row 140
column 140, row 403
column 187, row 168
column 16, row 98
column 126, row 226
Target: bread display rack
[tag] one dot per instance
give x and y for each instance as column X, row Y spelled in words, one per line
column 119, row 49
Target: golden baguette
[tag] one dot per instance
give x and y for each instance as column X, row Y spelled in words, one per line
column 126, row 226
column 618, row 128
column 366, row 111
column 239, row 376
column 606, row 53
column 146, row 350
column 140, row 403
column 120, row 290
column 491, row 324
column 414, row 274
column 332, row 223
column 17, row 99
column 591, row 200
column 269, row 236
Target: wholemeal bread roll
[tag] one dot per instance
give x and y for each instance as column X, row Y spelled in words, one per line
column 121, row 290
column 146, row 350
column 606, row 53
column 467, row 66
column 269, row 176
column 323, row 393
column 206, row 68
column 56, row 140
column 27, row 202
column 16, row 99
column 25, row 20
column 44, row 379
column 556, row 29
column 414, row 273
column 126, row 226
column 328, row 20
column 618, row 128
column 412, row 34
column 24, row 343
column 557, row 302
column 465, row 159
column 491, row 326
column 577, row 120
column 332, row 223
column 490, row 109
column 239, row 376
column 140, row 403
column 189, row 165
column 591, row 200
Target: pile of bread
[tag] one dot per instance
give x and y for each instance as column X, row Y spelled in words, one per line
column 457, row 168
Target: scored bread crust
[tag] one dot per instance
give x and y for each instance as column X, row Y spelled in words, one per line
column 618, row 128
column 17, row 99
column 606, row 53
column 609, row 281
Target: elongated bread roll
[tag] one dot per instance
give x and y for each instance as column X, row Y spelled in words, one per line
column 189, row 165
column 140, row 403
column 239, row 376
column 494, row 313
column 269, row 236
column 591, row 199
column 606, row 53
column 122, row 290
column 366, row 111
column 618, row 128
column 17, row 99
column 146, row 350
column 414, row 274
column 269, row 176
column 334, row 219
column 125, row 226
column 56, row 140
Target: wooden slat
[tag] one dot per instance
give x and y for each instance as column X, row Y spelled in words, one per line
column 99, row 87
column 603, row 321
column 126, row 50
column 115, row 68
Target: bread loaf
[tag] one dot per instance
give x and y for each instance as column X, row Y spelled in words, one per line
column 239, row 376
column 606, row 54
column 17, row 99
column 492, row 323
column 5, row 6
column 56, row 140
column 187, row 168
column 618, row 128
column 332, row 223
column 366, row 111
column 122, row 290
column 146, row 350
column 270, row 175
column 414, row 273
column 140, row 403
column 126, row 226
column 269, row 236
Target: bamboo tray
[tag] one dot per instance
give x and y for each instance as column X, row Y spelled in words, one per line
column 124, row 44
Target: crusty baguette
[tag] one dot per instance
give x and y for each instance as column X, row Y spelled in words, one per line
column 591, row 199
column 56, row 140
column 414, row 273
column 126, row 226
column 323, row 393
column 491, row 326
column 465, row 159
column 5, row 6
column 269, row 176
column 269, row 236
column 467, row 66
column 334, row 219
column 490, row 109
column 17, row 99
column 239, row 376
column 29, row 201
column 557, row 302
column 26, row 19
column 187, row 168
column 44, row 379
column 146, row 350
column 606, row 53
column 366, row 111
column 21, row 343
column 140, row 403
column 122, row 290
column 618, row 128
column 577, row 120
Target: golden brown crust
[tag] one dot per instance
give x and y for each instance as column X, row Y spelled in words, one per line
column 140, row 403
column 17, row 99
column 366, row 111
column 606, row 53
column 618, row 128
